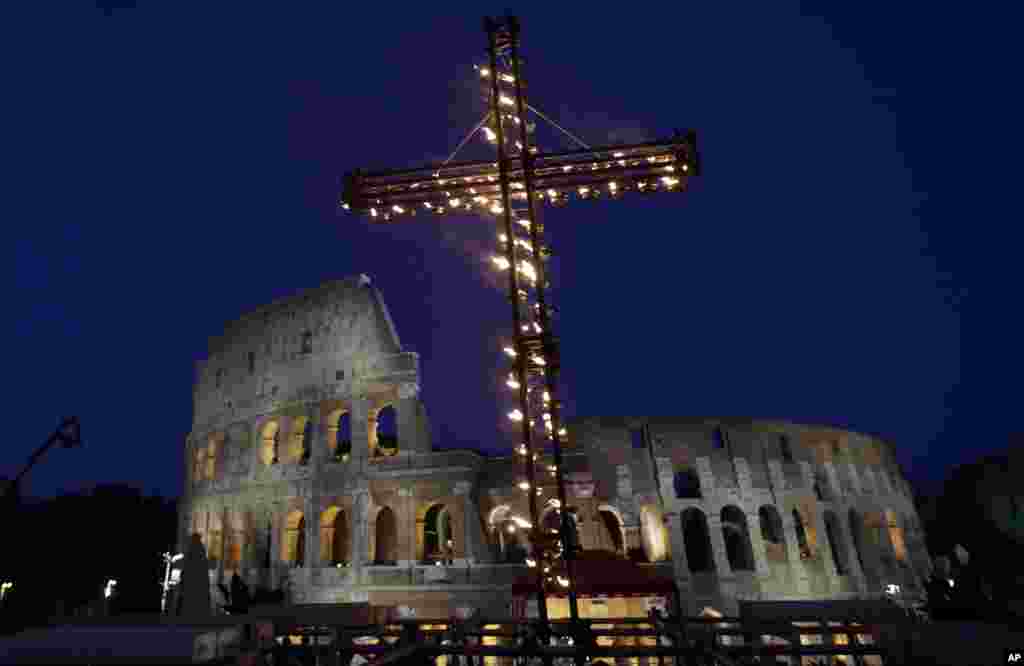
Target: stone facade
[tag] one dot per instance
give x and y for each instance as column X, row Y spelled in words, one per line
column 294, row 482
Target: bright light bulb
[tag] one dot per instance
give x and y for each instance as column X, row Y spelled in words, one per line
column 564, row 582
column 524, row 485
column 491, row 136
column 427, row 205
column 500, row 262
column 613, row 186
column 503, row 238
column 345, row 206
column 454, row 203
column 497, row 209
column 511, row 352
column 538, row 360
column 583, row 191
column 508, row 78
column 670, row 168
column 373, row 211
column 506, row 100
column 522, row 449
column 530, row 562
column 398, row 209
column 552, row 193
column 617, row 154
column 562, row 432
column 485, row 72
column 525, row 223
column 670, row 181
column 515, row 415
column 567, row 168
column 512, row 383
column 511, row 529
column 547, row 398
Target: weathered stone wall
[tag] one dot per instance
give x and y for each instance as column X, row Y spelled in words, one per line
column 296, row 366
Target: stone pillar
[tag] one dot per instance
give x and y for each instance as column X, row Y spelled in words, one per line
column 275, row 544
column 408, row 529
column 474, row 547
column 706, row 476
column 666, row 480
column 407, row 413
column 854, row 478
column 743, row 480
column 675, row 535
column 800, row 577
column 311, row 512
column 359, row 419
column 835, row 488
column 624, row 482
column 360, row 528
column 852, row 563
column 718, row 544
column 757, row 545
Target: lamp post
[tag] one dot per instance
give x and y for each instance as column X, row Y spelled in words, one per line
column 168, row 560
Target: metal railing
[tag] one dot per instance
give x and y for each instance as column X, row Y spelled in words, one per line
column 515, row 642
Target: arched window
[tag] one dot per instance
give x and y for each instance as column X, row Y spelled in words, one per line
column 612, row 530
column 386, row 535
column 333, row 537
column 836, row 543
column 199, row 468
column 386, row 433
column 686, row 484
column 339, row 435
column 270, row 443
column 215, row 536
column 437, row 531
column 718, row 438
column 772, row 533
column 697, row 541
column 235, row 541
column 294, row 542
column 211, row 455
column 298, row 439
column 737, row 539
column 654, row 535
column 899, row 544
column 803, row 543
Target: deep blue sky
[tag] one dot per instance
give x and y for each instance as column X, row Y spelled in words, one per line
column 845, row 259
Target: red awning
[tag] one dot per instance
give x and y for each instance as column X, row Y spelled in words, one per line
column 605, row 577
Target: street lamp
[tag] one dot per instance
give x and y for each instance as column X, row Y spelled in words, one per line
column 4, row 588
column 168, row 559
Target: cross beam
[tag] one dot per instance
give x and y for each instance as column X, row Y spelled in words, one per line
column 474, row 186
column 512, row 189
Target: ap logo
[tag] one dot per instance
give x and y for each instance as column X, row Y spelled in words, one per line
column 1014, row 657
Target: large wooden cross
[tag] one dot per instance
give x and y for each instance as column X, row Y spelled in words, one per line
column 511, row 189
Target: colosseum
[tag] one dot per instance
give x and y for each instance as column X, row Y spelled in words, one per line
column 311, row 470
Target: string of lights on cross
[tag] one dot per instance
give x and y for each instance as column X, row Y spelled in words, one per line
column 511, row 189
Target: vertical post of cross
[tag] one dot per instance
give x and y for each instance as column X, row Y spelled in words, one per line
column 547, row 336
column 493, row 28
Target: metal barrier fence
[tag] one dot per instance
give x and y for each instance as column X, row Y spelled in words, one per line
column 514, row 642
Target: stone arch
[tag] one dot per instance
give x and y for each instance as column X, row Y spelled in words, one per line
column 270, row 442
column 802, row 541
column 293, row 546
column 737, row 539
column 334, row 541
column 697, row 540
column 339, row 435
column 385, row 530
column 772, row 533
column 436, row 532
column 836, row 543
column 300, row 440
column 507, row 540
column 384, row 433
column 611, row 521
column 653, row 533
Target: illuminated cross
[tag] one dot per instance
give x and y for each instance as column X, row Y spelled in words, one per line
column 511, row 189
